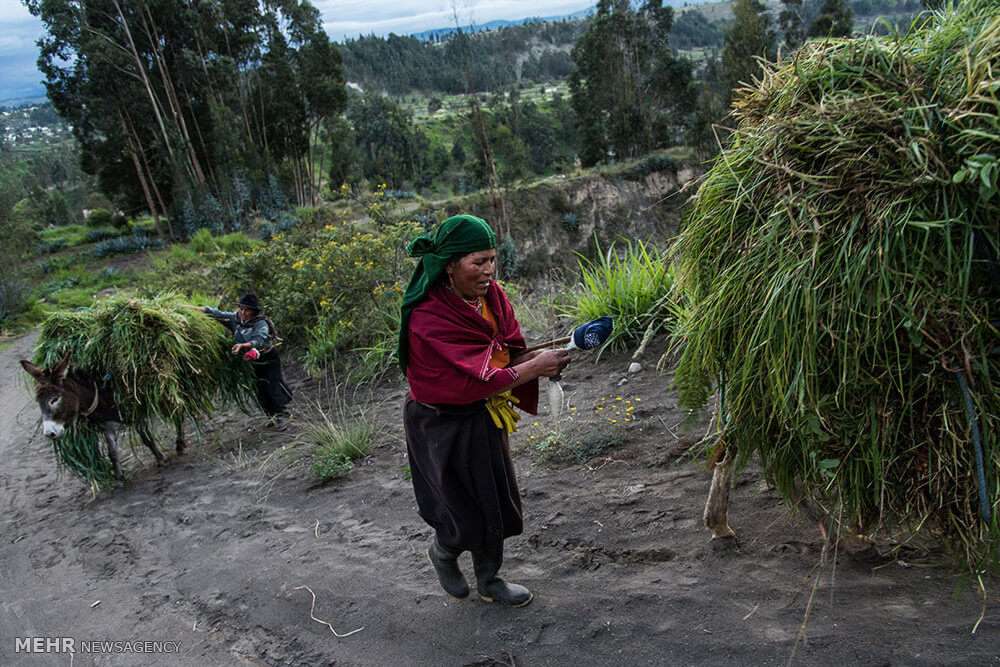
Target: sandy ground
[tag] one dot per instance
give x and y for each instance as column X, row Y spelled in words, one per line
column 210, row 550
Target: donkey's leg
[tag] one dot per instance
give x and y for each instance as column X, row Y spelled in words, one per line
column 111, row 438
column 717, row 507
column 813, row 511
column 853, row 539
column 147, row 439
column 179, row 424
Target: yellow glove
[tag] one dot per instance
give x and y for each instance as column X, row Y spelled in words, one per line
column 502, row 412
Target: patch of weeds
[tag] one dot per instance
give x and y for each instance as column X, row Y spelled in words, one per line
column 336, row 447
column 237, row 459
column 570, row 448
column 72, row 297
column 66, row 235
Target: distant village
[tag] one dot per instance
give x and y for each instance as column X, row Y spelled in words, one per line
column 30, row 124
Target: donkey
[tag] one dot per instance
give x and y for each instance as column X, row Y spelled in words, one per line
column 66, row 395
column 716, row 516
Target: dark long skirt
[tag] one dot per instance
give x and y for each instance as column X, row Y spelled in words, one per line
column 272, row 392
column 463, row 475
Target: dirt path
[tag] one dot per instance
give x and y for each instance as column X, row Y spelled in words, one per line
column 209, row 551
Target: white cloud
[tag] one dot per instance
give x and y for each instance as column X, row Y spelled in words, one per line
column 13, row 10
column 350, row 18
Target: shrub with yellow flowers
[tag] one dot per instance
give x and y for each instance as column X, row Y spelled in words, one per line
column 332, row 288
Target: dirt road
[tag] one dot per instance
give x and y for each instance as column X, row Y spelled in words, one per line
column 209, row 551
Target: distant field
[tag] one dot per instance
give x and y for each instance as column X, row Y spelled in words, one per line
column 452, row 105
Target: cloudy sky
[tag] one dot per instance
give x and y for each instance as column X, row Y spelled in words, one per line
column 19, row 30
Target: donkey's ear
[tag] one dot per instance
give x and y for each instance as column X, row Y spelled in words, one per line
column 32, row 370
column 60, row 369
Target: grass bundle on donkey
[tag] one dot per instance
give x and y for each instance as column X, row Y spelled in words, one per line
column 839, row 279
column 159, row 359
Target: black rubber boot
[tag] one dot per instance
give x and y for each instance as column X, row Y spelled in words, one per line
column 494, row 589
column 445, row 562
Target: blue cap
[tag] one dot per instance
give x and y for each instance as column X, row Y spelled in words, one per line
column 593, row 334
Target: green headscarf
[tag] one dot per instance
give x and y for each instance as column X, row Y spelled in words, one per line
column 457, row 234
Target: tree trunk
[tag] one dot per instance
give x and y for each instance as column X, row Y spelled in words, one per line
column 133, row 151
column 171, row 91
column 153, row 100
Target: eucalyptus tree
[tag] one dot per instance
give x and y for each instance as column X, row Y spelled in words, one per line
column 748, row 39
column 629, row 89
column 177, row 100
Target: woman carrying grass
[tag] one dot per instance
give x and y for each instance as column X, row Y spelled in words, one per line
column 463, row 354
column 255, row 338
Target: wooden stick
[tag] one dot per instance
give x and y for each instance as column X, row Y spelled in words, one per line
column 551, row 343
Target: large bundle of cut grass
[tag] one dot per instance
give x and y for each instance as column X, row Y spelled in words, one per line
column 837, row 271
column 162, row 361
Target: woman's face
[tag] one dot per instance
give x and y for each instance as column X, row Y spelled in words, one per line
column 470, row 276
column 244, row 313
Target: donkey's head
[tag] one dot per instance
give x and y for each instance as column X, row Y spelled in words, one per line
column 58, row 399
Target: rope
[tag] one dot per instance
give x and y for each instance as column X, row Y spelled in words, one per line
column 93, row 406
column 723, row 415
column 194, row 422
column 970, row 411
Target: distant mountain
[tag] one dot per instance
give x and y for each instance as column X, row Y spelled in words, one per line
column 437, row 34
column 19, row 102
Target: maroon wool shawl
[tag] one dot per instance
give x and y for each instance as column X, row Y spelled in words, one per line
column 451, row 345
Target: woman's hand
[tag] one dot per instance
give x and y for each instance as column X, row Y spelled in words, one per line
column 201, row 308
column 533, row 365
column 550, row 363
column 239, row 347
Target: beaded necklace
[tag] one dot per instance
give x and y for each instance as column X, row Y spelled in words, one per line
column 476, row 303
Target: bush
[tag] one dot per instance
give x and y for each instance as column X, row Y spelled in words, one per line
column 509, row 259
column 95, row 235
column 571, row 222
column 67, row 235
column 15, row 297
column 19, row 232
column 202, row 241
column 632, row 287
column 136, row 242
column 100, row 217
column 335, row 290
column 49, row 247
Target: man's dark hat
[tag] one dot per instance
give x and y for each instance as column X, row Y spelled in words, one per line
column 249, row 301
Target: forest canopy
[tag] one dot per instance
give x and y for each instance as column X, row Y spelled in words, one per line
column 214, row 105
